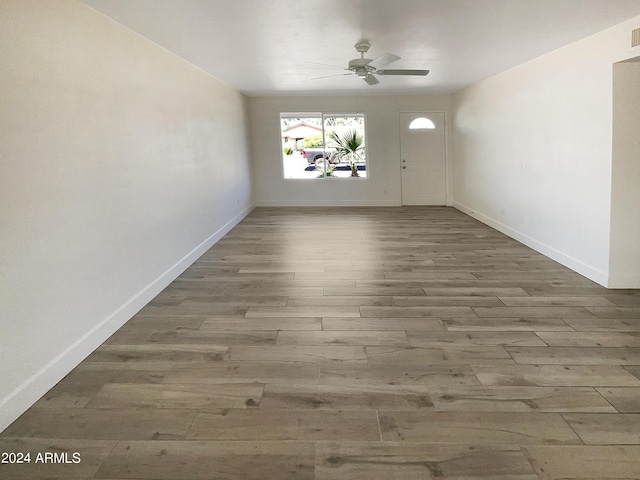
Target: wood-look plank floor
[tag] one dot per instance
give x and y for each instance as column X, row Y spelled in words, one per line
column 352, row 344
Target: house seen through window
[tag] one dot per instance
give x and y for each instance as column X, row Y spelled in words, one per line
column 320, row 146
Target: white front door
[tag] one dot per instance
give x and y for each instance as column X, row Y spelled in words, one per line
column 422, row 159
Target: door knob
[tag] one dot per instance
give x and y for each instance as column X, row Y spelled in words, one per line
column 404, row 168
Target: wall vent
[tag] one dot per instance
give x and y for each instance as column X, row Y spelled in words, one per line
column 635, row 37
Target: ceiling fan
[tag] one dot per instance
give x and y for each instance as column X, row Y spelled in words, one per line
column 365, row 68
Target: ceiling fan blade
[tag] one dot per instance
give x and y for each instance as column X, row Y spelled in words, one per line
column 329, row 76
column 322, row 64
column 371, row 80
column 383, row 60
column 420, row 73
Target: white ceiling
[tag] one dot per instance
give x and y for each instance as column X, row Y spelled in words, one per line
column 262, row 47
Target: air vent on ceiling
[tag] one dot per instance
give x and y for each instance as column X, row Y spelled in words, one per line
column 635, row 37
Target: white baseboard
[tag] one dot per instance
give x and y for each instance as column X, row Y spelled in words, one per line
column 329, row 203
column 30, row 391
column 567, row 260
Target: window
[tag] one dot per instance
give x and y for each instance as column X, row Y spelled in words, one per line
column 421, row 124
column 317, row 145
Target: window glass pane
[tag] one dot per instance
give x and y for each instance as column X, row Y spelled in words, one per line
column 422, row 124
column 301, row 135
column 344, row 137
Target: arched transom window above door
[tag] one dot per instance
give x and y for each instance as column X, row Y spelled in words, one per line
column 421, row 123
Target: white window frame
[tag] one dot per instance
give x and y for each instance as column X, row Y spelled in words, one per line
column 323, row 116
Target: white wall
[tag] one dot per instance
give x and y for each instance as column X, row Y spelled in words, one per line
column 120, row 164
column 382, row 185
column 625, row 198
column 532, row 150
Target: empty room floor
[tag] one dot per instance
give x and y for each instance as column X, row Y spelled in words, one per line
column 355, row 343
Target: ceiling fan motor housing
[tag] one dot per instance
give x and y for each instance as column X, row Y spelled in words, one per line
column 361, row 67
